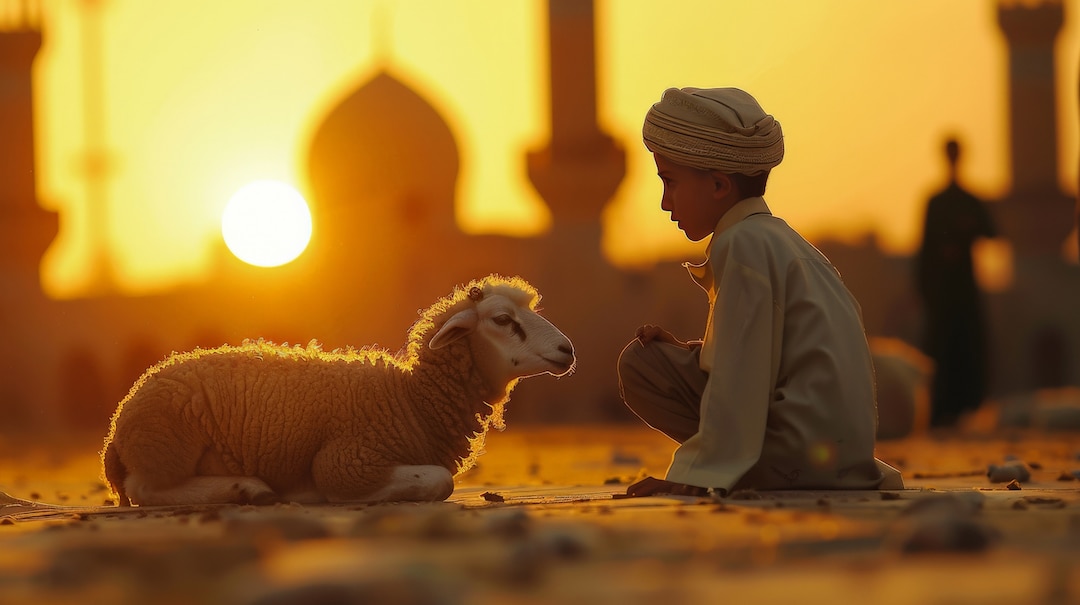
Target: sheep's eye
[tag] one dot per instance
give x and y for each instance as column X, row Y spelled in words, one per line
column 506, row 320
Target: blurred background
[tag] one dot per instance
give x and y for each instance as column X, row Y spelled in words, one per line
column 421, row 144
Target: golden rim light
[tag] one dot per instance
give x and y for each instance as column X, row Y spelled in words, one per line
column 266, row 223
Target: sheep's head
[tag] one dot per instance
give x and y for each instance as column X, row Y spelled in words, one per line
column 512, row 340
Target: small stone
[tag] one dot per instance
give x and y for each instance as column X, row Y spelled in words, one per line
column 1048, row 501
column 1066, row 476
column 515, row 523
column 958, row 504
column 564, row 544
column 1014, row 485
column 947, row 534
column 283, row 526
column 890, row 496
column 492, row 497
column 944, row 523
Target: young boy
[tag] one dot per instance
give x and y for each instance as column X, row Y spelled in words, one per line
column 780, row 393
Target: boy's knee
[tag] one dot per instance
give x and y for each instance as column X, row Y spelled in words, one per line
column 631, row 359
column 630, row 353
column 644, row 371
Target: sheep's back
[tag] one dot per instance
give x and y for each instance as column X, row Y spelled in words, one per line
column 263, row 414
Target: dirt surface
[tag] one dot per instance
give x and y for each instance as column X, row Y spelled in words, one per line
column 536, row 522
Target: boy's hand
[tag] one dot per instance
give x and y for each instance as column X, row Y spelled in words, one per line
column 648, row 333
column 650, row 486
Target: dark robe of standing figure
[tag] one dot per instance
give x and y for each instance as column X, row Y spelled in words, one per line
column 954, row 336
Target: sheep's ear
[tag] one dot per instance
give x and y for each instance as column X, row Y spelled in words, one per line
column 460, row 325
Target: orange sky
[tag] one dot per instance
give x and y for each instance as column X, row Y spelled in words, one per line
column 203, row 97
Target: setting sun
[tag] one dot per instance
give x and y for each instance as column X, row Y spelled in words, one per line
column 266, row 223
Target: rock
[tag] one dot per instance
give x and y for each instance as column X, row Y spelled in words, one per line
column 1054, row 409
column 409, row 587
column 960, row 503
column 947, row 534
column 514, row 523
column 274, row 525
column 1048, row 502
column 945, row 523
column 1010, row 471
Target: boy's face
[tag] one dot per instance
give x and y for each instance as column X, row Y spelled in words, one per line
column 695, row 198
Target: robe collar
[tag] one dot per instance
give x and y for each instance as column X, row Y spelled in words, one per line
column 702, row 274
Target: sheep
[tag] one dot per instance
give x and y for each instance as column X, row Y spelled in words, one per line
column 903, row 375
column 262, row 423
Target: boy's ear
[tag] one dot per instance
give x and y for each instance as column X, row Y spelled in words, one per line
column 723, row 184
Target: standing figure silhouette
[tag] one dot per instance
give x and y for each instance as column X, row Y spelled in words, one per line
column 954, row 333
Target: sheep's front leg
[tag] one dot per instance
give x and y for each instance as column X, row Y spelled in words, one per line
column 416, row 483
column 348, row 472
column 404, row 483
column 201, row 490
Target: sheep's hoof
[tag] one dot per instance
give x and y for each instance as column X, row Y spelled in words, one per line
column 415, row 483
column 259, row 498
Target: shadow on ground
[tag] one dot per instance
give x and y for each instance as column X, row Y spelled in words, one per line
column 536, row 521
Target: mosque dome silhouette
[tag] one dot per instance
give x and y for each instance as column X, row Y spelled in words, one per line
column 383, row 163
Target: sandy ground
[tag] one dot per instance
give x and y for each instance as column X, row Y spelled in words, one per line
column 536, row 522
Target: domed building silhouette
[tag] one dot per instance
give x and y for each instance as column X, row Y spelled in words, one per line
column 382, row 161
column 382, row 171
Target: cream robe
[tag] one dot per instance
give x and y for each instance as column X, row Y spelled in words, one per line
column 789, row 402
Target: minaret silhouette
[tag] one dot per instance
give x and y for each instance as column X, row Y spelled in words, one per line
column 26, row 230
column 1036, row 215
column 579, row 170
column 577, row 173
column 27, row 368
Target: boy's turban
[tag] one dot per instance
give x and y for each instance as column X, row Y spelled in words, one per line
column 714, row 129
